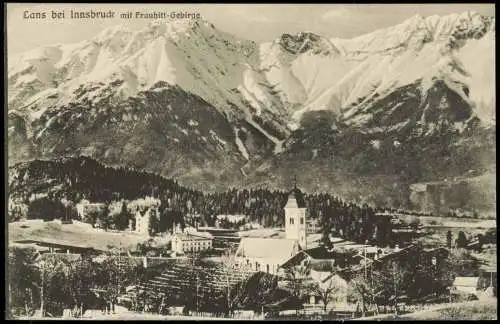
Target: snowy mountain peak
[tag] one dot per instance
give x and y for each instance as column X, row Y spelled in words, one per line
column 415, row 32
column 306, row 42
column 113, row 33
column 183, row 98
column 414, row 20
column 280, row 80
column 174, row 28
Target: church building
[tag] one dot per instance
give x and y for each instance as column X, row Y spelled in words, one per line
column 295, row 217
column 268, row 254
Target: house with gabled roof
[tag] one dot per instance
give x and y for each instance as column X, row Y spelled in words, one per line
column 467, row 285
column 328, row 281
column 321, row 259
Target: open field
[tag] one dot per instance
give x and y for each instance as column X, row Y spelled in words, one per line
column 77, row 234
column 435, row 228
column 473, row 310
column 464, row 224
column 444, row 221
column 433, row 237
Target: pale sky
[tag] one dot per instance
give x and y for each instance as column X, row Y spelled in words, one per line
column 258, row 22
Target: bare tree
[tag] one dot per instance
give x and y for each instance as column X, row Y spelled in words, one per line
column 391, row 281
column 327, row 289
column 23, row 277
column 295, row 280
column 258, row 290
column 50, row 268
column 194, row 263
column 233, row 290
column 364, row 293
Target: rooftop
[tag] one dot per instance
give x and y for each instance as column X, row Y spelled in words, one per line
column 321, row 253
column 29, row 245
column 466, row 281
column 192, row 237
column 281, row 249
column 295, row 199
column 54, row 243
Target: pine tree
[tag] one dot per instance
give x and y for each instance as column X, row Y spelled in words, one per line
column 104, row 217
column 122, row 219
column 461, row 240
column 326, row 229
column 448, row 239
column 153, row 222
column 15, row 214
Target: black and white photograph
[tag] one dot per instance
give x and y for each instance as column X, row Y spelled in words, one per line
column 250, row 161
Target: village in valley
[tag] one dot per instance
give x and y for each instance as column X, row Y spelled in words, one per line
column 245, row 162
column 133, row 258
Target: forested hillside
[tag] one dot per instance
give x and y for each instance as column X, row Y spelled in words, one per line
column 73, row 179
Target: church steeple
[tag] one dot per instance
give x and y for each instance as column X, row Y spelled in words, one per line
column 295, row 216
column 295, row 196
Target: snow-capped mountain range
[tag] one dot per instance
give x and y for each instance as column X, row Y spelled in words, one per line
column 193, row 97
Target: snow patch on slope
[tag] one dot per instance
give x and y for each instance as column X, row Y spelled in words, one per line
column 278, row 145
column 241, row 78
column 240, row 145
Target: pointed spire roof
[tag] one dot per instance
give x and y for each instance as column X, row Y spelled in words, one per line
column 295, row 197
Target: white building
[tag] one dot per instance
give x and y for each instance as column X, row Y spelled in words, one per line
column 143, row 219
column 328, row 281
column 466, row 285
column 189, row 242
column 295, row 218
column 84, row 207
column 144, row 209
column 268, row 254
column 265, row 254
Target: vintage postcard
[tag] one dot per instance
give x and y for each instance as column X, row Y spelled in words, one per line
column 262, row 162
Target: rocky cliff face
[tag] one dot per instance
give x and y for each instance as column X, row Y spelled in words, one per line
column 364, row 117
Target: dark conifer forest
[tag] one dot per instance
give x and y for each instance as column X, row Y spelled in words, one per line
column 73, row 179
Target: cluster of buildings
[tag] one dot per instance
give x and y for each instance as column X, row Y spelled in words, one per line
column 274, row 255
column 141, row 209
